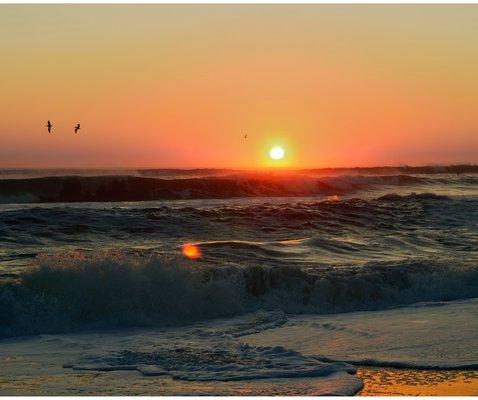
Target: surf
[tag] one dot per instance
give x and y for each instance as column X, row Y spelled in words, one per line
column 208, row 184
column 72, row 291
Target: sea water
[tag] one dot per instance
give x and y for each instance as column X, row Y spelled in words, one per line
column 301, row 275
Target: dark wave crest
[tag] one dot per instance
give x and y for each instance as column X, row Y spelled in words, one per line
column 131, row 188
column 136, row 188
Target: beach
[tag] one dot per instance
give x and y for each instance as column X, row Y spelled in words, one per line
column 127, row 383
column 409, row 382
column 299, row 351
column 295, row 284
column 36, row 366
column 377, row 382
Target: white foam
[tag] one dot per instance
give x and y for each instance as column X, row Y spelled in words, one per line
column 181, row 353
column 223, row 361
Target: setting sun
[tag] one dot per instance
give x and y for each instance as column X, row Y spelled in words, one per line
column 277, row 153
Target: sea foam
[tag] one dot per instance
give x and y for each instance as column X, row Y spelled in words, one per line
column 73, row 291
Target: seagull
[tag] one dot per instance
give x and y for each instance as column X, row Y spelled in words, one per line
column 77, row 128
column 49, row 126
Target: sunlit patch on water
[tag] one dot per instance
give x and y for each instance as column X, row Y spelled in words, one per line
column 333, row 198
column 191, row 251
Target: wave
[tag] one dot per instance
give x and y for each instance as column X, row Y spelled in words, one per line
column 413, row 196
column 176, row 173
column 71, row 292
column 420, row 365
column 130, row 188
column 28, row 225
column 404, row 169
column 138, row 188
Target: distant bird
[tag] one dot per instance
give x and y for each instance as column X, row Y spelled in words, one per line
column 49, row 126
column 245, row 136
column 77, row 128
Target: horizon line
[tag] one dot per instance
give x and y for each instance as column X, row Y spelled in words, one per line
column 457, row 164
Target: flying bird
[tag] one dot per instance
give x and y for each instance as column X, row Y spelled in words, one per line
column 49, row 126
column 77, row 128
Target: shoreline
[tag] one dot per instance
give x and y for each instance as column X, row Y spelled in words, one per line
column 377, row 382
column 411, row 382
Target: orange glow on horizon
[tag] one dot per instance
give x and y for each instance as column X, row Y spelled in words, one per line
column 190, row 251
column 178, row 87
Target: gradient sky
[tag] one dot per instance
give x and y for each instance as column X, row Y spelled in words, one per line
column 179, row 85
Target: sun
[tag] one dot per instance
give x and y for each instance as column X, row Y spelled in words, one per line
column 277, row 153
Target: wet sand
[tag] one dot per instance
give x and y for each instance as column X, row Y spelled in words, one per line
column 131, row 383
column 408, row 382
column 377, row 382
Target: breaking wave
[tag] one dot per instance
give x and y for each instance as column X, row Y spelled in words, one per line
column 73, row 292
column 142, row 188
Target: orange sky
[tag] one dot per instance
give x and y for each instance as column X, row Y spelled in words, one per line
column 179, row 85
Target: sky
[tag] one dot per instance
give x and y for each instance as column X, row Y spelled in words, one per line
column 178, row 86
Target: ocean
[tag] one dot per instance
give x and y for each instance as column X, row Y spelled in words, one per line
column 301, row 276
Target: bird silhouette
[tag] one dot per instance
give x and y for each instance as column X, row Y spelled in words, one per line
column 49, row 126
column 245, row 136
column 77, row 128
